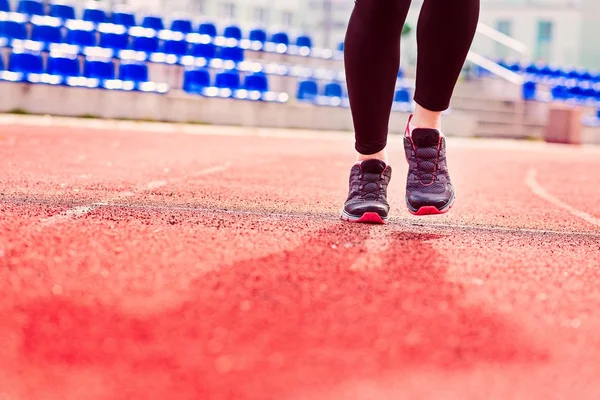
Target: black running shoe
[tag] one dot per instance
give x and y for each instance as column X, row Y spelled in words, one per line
column 367, row 200
column 429, row 190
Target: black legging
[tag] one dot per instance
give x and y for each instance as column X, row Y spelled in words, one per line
column 372, row 58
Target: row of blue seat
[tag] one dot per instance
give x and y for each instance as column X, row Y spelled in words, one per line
column 200, row 54
column 333, row 94
column 229, row 84
column 584, row 92
column 99, row 72
column 66, row 69
column 546, row 73
column 97, row 16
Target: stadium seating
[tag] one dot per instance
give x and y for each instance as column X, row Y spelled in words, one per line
column 196, row 81
column 31, row 7
column 113, row 36
column 133, row 75
column 28, row 65
column 173, row 47
column 256, row 87
column 13, row 26
column 258, row 35
column 62, row 11
column 80, row 33
column 231, row 53
column 280, row 38
column 124, row 18
column 204, row 50
column 229, row 79
column 4, row 6
column 65, row 67
column 402, row 95
column 94, row 15
column 304, row 41
column 46, row 29
column 308, row 91
column 100, row 68
column 182, row 25
column 207, row 28
column 233, row 32
column 144, row 40
column 153, row 22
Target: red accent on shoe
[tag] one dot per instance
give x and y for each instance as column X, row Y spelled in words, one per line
column 367, row 218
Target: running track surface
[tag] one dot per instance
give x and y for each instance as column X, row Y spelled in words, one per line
column 148, row 265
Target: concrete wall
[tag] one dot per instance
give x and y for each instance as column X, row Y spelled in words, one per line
column 180, row 107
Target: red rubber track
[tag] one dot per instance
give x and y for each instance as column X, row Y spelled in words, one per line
column 172, row 266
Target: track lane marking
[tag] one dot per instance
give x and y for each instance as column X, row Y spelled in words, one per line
column 80, row 211
column 541, row 192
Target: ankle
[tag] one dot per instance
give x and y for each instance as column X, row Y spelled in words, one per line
column 423, row 118
column 382, row 155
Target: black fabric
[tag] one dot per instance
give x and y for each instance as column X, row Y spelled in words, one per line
column 372, row 58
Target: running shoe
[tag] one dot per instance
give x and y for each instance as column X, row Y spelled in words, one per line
column 367, row 199
column 429, row 190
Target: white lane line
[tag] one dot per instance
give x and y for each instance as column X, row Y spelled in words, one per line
column 538, row 190
column 80, row 211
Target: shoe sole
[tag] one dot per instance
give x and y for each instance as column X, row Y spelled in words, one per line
column 430, row 210
column 366, row 218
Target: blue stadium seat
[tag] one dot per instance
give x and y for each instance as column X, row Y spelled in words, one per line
column 153, row 22
column 95, row 15
column 304, row 41
column 333, row 89
column 80, row 33
column 113, row 36
column 529, row 90
column 207, row 28
column 332, row 95
column 14, row 27
column 280, row 38
column 144, row 40
column 586, row 75
column 233, row 32
column 257, row 82
column 28, row 65
column 62, row 11
column 175, row 47
column 182, row 25
column 98, row 71
column 31, row 7
column 4, row 6
column 228, row 82
column 123, row 18
column 307, row 90
column 235, row 54
column 402, row 95
column 204, row 50
column 46, row 29
column 63, row 65
column 560, row 92
column 196, row 80
column 258, row 35
column 133, row 71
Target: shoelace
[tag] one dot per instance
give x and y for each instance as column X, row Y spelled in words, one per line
column 372, row 186
column 419, row 173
